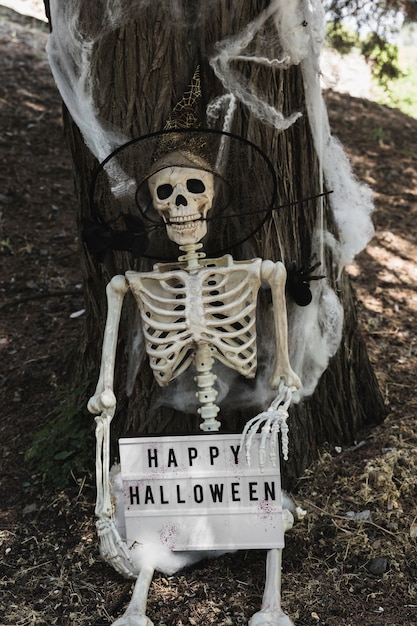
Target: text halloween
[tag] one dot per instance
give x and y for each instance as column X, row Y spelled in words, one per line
column 202, row 493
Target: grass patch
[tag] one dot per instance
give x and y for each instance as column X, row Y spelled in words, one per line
column 61, row 450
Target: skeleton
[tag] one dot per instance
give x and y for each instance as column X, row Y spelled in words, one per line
column 193, row 311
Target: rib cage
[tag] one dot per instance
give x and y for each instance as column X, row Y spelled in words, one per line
column 215, row 305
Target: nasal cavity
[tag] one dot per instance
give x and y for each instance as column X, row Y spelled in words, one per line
column 180, row 200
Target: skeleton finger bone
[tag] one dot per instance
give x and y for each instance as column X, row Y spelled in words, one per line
column 265, row 422
column 251, row 428
column 266, row 429
column 276, row 426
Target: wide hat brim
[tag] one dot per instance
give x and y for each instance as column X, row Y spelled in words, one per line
column 245, row 189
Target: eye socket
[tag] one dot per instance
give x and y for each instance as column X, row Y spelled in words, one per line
column 194, row 185
column 164, row 191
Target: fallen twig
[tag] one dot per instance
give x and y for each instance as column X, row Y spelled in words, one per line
column 40, row 296
column 347, row 519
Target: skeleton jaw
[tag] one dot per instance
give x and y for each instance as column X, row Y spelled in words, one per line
column 185, row 229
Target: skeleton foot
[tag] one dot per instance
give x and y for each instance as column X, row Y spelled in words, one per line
column 133, row 620
column 271, row 618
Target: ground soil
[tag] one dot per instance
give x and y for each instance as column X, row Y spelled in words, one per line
column 351, row 560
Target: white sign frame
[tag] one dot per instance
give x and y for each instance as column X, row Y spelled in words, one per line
column 196, row 492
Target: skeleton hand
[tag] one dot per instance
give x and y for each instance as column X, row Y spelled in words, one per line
column 102, row 401
column 271, row 422
column 113, row 549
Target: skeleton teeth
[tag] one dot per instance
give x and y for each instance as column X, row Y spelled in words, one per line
column 188, row 226
column 184, row 220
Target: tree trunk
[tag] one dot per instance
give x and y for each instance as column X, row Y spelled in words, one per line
column 142, row 67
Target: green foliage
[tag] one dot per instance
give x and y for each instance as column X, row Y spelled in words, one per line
column 376, row 14
column 63, row 449
column 397, row 87
column 383, row 57
column 401, row 93
column 341, row 38
column 377, row 134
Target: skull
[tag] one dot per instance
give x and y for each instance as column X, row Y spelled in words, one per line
column 183, row 195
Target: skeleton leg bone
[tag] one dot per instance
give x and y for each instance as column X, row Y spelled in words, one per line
column 135, row 614
column 271, row 613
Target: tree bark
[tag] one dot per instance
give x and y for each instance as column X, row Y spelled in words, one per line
column 141, row 71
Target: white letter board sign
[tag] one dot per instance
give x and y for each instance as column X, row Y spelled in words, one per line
column 198, row 493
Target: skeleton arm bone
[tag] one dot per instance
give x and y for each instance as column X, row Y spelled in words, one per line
column 104, row 398
column 283, row 378
column 276, row 274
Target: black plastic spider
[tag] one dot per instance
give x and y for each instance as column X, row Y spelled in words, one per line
column 101, row 237
column 299, row 278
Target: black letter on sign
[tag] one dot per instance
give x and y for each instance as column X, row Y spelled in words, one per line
column 149, row 495
column 179, row 500
column 152, row 458
column 235, row 453
column 161, row 491
column 192, row 454
column 252, row 492
column 217, row 492
column 171, row 458
column 198, row 494
column 214, row 453
column 235, row 492
column 269, row 491
column 134, row 495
